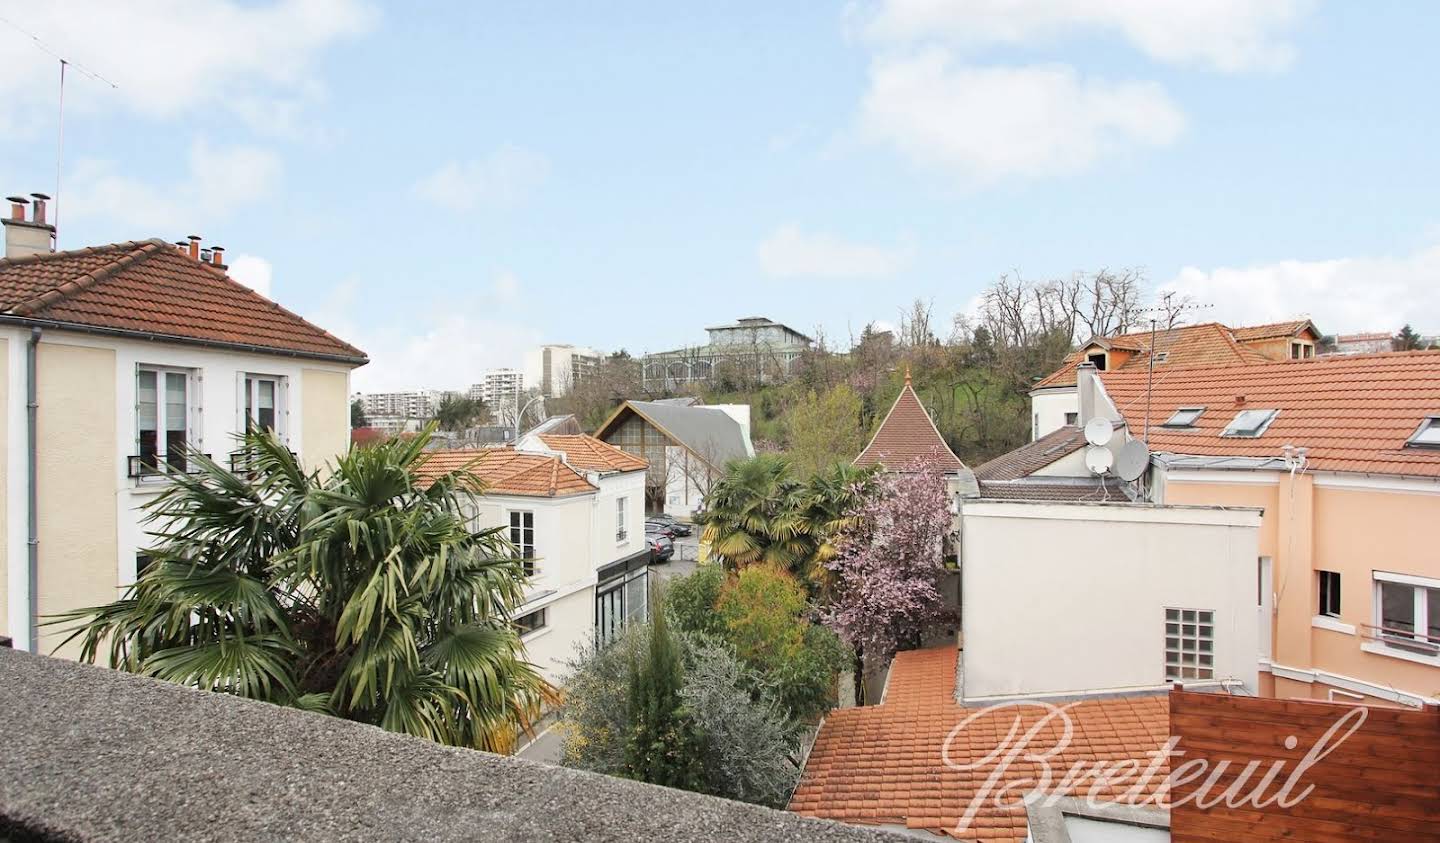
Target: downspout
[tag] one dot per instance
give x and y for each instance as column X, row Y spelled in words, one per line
column 32, row 543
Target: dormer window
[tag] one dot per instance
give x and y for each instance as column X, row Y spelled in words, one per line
column 1098, row 358
column 1427, row 435
column 1301, row 350
column 1249, row 424
column 1162, row 356
column 1185, row 417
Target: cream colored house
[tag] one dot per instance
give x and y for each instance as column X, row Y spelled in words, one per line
column 574, row 507
column 114, row 361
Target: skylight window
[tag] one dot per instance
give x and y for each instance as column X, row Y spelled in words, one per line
column 1427, row 435
column 1250, row 423
column 1184, row 417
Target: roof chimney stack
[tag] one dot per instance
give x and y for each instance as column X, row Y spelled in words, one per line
column 38, row 216
column 217, row 256
column 27, row 237
column 194, row 246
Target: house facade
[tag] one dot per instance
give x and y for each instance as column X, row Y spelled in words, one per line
column 133, row 355
column 573, row 507
column 686, row 446
column 1053, row 399
column 754, row 348
column 1341, row 453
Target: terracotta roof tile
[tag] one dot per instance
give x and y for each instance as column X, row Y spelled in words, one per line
column 886, row 765
column 907, row 436
column 1353, row 412
column 1251, row 333
column 148, row 287
column 505, row 471
column 590, row 454
column 1206, row 344
column 1097, row 491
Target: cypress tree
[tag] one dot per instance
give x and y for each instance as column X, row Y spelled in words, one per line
column 665, row 746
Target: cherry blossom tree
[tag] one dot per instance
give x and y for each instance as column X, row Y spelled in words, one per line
column 889, row 566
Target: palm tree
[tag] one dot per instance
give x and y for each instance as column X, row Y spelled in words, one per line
column 755, row 513
column 834, row 497
column 362, row 594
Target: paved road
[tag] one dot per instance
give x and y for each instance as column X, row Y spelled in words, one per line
column 683, row 562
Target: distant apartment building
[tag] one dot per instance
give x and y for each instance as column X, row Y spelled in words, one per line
column 555, row 369
column 752, row 348
column 1371, row 343
column 498, row 388
column 415, row 404
column 121, row 362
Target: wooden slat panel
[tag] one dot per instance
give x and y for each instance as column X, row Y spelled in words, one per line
column 1380, row 783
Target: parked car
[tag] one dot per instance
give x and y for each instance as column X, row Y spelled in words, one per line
column 661, row 548
column 680, row 528
column 661, row 528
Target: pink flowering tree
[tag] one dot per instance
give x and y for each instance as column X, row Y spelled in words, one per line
column 888, row 568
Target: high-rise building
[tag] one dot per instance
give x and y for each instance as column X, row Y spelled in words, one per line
column 498, row 387
column 415, row 404
column 555, row 369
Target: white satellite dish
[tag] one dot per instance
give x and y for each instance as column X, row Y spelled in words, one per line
column 1098, row 459
column 1132, row 460
column 1099, row 431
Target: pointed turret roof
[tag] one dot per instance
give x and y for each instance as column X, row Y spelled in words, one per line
column 908, row 436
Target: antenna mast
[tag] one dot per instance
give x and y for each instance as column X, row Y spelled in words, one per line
column 1171, row 311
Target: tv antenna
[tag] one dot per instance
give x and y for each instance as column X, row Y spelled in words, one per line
column 1171, row 311
column 60, row 139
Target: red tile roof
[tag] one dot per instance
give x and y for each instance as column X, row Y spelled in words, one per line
column 883, row 765
column 1353, row 412
column 1250, row 333
column 505, row 471
column 590, row 454
column 147, row 287
column 908, row 437
column 1206, row 344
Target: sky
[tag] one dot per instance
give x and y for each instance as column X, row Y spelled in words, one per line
column 449, row 185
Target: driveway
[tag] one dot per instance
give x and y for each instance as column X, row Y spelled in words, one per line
column 683, row 562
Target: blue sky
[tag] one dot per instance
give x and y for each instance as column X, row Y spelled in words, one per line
column 447, row 188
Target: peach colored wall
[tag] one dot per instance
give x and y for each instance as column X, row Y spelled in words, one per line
column 1353, row 532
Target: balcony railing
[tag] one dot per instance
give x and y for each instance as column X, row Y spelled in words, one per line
column 1402, row 639
column 154, row 465
column 621, row 534
column 243, row 461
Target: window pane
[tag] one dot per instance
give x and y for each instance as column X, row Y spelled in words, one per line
column 148, row 411
column 1433, row 614
column 174, row 401
column 249, row 399
column 1397, row 607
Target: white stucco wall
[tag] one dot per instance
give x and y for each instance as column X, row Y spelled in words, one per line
column 214, row 419
column 1048, row 409
column 1070, row 598
column 574, row 538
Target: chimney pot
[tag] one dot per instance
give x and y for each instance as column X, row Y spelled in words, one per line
column 205, row 255
column 38, row 215
column 1239, row 400
column 217, row 255
column 17, row 207
column 194, row 246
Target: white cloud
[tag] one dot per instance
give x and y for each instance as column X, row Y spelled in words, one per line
column 792, row 253
column 168, row 57
column 254, row 272
column 983, row 124
column 1344, row 295
column 501, row 179
column 444, row 346
column 1228, row 35
column 217, row 181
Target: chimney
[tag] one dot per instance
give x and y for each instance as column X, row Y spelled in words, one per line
column 1085, row 375
column 194, row 246
column 27, row 237
column 217, row 257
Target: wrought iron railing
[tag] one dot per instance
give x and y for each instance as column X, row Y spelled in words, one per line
column 141, row 467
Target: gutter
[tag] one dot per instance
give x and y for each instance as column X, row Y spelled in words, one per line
column 32, row 496
column 35, row 324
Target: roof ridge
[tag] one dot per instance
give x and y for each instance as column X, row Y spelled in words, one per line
column 40, row 257
column 141, row 251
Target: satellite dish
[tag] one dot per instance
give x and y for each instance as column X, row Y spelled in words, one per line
column 1099, row 431
column 1132, row 460
column 1098, row 459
